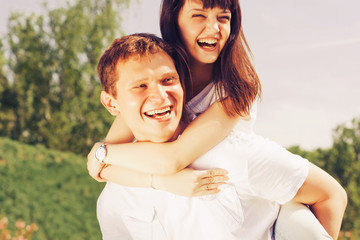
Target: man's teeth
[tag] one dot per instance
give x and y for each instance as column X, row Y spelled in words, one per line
column 156, row 112
column 166, row 115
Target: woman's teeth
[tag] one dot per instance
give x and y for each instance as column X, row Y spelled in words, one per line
column 207, row 43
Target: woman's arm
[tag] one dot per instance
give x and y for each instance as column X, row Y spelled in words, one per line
column 187, row 182
column 327, row 199
column 200, row 136
column 119, row 132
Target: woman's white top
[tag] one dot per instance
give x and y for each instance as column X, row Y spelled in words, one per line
column 263, row 175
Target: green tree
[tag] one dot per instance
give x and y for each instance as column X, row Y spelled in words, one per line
column 345, row 164
column 53, row 60
column 342, row 161
column 3, row 80
column 6, row 98
column 30, row 63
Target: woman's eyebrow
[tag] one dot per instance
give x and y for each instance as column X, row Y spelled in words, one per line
column 197, row 9
column 204, row 10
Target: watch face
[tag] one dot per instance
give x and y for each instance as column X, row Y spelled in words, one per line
column 100, row 153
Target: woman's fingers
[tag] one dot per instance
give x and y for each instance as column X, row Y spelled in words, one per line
column 216, row 172
column 209, row 180
column 208, row 192
column 209, row 188
column 212, row 176
column 211, row 173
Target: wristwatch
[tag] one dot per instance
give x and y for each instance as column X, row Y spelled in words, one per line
column 100, row 153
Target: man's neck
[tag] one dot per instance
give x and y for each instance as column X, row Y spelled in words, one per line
column 177, row 133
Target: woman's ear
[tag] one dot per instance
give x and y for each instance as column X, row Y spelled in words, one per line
column 109, row 103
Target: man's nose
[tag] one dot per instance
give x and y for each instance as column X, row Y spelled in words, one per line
column 158, row 93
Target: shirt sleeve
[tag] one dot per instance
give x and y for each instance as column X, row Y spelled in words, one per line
column 275, row 173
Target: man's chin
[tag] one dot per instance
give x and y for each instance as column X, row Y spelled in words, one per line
column 162, row 138
column 162, row 135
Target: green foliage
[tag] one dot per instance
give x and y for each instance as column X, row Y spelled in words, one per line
column 3, row 81
column 52, row 81
column 6, row 116
column 49, row 188
column 342, row 161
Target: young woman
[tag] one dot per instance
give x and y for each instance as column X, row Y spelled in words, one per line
column 209, row 37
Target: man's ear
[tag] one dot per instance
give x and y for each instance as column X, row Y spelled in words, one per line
column 109, row 103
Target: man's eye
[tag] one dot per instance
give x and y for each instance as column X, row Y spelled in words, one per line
column 141, row 86
column 168, row 80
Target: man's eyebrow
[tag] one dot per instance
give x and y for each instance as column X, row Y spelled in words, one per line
column 138, row 81
column 170, row 75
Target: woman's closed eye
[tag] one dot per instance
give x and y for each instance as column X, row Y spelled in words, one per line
column 198, row 16
column 224, row 18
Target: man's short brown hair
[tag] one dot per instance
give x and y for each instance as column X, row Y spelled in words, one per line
column 140, row 44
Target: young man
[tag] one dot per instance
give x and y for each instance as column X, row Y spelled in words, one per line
column 141, row 83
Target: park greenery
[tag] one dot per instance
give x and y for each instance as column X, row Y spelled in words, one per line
column 49, row 90
column 49, row 188
column 342, row 161
column 52, row 189
column 50, row 116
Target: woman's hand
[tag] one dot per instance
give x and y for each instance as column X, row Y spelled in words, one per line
column 93, row 166
column 192, row 183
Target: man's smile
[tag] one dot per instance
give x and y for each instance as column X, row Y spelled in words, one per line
column 160, row 113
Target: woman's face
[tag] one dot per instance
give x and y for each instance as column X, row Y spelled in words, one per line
column 204, row 31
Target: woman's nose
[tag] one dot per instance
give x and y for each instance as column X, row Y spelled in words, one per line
column 212, row 25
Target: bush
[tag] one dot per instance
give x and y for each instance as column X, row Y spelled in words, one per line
column 49, row 188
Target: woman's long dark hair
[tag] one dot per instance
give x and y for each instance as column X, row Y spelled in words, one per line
column 233, row 73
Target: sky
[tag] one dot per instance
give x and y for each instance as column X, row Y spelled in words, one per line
column 306, row 53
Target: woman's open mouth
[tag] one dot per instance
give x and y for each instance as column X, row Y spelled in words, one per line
column 207, row 43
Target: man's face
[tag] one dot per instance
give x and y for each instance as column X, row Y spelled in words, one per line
column 150, row 96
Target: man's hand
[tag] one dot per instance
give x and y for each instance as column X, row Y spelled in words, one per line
column 192, row 183
column 93, row 165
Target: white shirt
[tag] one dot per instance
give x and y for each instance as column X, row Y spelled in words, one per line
column 262, row 174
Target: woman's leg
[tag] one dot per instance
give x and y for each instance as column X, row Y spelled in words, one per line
column 297, row 222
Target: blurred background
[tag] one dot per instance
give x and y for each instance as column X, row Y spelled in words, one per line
column 307, row 55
